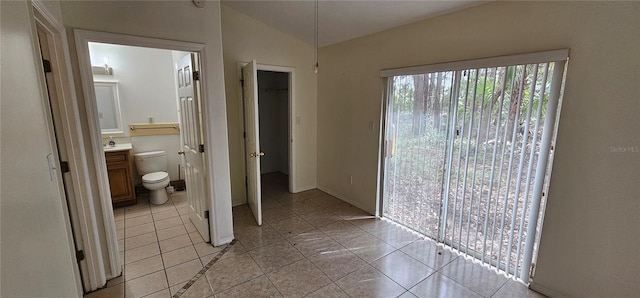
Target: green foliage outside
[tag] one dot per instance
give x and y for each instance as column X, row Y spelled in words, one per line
column 471, row 148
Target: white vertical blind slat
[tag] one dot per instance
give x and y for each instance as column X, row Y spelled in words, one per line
column 460, row 164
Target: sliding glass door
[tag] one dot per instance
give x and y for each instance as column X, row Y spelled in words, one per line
column 466, row 159
column 415, row 149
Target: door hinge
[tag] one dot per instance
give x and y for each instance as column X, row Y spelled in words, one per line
column 47, row 65
column 201, row 148
column 80, row 255
column 241, row 83
column 64, row 166
column 246, row 181
column 206, row 214
column 196, row 75
column 244, row 134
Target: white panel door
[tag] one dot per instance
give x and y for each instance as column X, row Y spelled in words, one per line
column 252, row 138
column 191, row 140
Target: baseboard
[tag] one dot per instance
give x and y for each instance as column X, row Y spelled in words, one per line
column 545, row 291
column 304, row 188
column 343, row 198
column 224, row 241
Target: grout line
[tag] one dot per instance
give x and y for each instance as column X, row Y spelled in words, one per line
column 203, row 270
column 164, row 268
column 270, row 281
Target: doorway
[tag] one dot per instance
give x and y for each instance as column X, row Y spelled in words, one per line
column 148, row 101
column 273, row 109
column 267, row 103
column 49, row 43
column 192, row 74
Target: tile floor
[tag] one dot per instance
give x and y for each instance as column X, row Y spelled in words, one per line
column 314, row 245
column 160, row 249
column 311, row 244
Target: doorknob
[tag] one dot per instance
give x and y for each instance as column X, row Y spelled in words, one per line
column 180, row 152
column 256, row 154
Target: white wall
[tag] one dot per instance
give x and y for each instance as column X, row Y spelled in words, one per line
column 173, row 20
column 147, row 88
column 37, row 254
column 244, row 39
column 590, row 238
column 273, row 103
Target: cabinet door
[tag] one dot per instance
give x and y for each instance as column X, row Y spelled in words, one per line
column 120, row 182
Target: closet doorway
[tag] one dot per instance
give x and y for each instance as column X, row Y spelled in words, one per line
column 268, row 129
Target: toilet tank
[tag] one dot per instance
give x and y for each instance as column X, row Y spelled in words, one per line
column 149, row 162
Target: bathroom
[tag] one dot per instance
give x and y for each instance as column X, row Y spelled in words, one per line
column 145, row 92
column 141, row 114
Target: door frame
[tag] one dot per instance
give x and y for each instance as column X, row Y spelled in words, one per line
column 82, row 38
column 63, row 108
column 293, row 182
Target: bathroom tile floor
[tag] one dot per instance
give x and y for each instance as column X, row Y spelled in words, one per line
column 311, row 244
column 160, row 249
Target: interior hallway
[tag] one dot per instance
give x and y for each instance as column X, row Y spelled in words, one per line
column 314, row 245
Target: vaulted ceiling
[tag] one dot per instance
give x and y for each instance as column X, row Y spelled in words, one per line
column 342, row 20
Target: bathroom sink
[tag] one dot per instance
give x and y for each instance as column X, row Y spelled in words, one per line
column 118, row 147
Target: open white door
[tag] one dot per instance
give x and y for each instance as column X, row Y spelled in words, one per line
column 191, row 142
column 252, row 138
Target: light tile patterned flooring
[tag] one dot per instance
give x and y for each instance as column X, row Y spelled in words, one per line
column 314, row 245
column 311, row 244
column 160, row 249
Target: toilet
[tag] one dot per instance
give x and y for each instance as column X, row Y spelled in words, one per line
column 152, row 166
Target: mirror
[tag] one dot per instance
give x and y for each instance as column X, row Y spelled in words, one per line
column 108, row 107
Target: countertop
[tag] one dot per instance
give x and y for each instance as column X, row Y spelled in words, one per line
column 118, row 147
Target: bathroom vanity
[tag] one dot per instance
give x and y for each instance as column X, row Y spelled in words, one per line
column 120, row 172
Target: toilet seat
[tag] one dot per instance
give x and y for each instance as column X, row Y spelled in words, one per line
column 155, row 177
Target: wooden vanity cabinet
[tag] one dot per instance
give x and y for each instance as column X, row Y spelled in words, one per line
column 120, row 171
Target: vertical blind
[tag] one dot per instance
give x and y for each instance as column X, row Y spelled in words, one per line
column 467, row 149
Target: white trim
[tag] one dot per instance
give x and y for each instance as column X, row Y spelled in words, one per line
column 544, row 290
column 343, row 198
column 539, row 57
column 382, row 145
column 92, row 268
column 305, row 188
column 221, row 217
column 293, row 182
column 100, row 165
column 47, row 97
column 131, row 40
column 82, row 37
